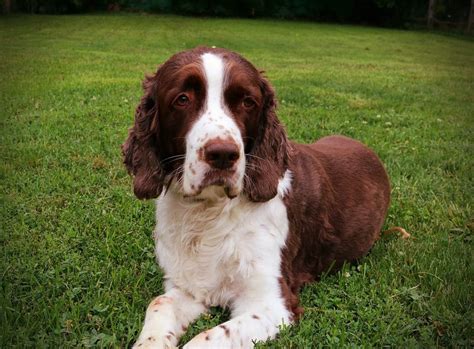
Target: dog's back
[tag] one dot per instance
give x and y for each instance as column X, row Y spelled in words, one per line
column 340, row 197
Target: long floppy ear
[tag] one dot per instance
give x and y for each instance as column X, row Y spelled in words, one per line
column 268, row 159
column 140, row 150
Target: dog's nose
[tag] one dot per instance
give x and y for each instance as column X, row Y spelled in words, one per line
column 221, row 155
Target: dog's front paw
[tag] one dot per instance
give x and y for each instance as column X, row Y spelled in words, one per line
column 219, row 337
column 151, row 342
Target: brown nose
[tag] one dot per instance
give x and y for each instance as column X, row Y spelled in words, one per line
column 221, row 155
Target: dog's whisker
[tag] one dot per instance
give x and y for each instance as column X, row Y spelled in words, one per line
column 172, row 159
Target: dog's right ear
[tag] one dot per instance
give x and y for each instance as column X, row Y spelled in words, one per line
column 140, row 150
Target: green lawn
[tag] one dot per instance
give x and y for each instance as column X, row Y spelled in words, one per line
column 77, row 265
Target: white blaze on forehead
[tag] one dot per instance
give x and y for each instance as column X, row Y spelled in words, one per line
column 214, row 70
column 215, row 122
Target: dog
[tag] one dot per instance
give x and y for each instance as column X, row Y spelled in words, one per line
column 244, row 216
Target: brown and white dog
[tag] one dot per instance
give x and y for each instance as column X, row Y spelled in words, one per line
column 245, row 217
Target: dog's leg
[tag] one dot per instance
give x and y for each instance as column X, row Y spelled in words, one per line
column 166, row 319
column 256, row 316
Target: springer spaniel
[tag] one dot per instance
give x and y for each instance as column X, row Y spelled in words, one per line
column 245, row 217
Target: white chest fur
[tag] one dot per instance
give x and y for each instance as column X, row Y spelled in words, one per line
column 211, row 248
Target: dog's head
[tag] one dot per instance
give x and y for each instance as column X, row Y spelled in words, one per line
column 207, row 122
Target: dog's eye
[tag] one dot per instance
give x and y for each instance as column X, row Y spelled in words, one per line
column 182, row 100
column 248, row 102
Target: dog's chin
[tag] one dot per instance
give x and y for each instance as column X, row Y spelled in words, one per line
column 215, row 188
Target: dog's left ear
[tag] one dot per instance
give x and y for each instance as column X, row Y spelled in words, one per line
column 268, row 159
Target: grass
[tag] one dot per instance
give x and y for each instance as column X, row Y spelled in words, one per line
column 77, row 264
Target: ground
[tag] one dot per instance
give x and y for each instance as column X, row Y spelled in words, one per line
column 77, row 264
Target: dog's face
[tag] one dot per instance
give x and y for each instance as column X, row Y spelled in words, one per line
column 207, row 121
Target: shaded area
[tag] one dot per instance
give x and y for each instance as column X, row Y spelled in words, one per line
column 401, row 13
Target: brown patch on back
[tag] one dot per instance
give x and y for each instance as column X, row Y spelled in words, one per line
column 336, row 207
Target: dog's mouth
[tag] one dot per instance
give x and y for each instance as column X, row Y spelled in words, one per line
column 219, row 182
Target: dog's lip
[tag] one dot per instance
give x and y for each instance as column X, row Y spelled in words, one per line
column 230, row 192
column 230, row 188
column 223, row 178
column 230, row 195
column 193, row 198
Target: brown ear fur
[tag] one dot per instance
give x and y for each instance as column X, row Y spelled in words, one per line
column 140, row 150
column 268, row 158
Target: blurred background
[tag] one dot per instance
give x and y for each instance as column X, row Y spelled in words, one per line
column 453, row 15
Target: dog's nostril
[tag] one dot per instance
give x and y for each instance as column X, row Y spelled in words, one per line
column 221, row 155
column 213, row 156
column 234, row 156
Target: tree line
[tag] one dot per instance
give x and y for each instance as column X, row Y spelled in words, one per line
column 397, row 13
